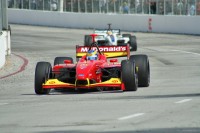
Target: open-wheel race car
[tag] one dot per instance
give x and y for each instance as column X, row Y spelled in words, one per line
column 110, row 37
column 97, row 68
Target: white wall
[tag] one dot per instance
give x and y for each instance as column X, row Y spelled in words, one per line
column 159, row 23
column 5, row 47
column 2, row 49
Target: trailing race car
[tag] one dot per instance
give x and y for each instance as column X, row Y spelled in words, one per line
column 110, row 37
column 94, row 70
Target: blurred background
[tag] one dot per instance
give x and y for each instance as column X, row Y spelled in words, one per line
column 159, row 7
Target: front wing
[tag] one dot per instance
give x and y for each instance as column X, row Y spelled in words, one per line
column 56, row 84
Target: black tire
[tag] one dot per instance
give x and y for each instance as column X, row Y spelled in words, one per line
column 60, row 60
column 133, row 43
column 9, row 29
column 126, row 35
column 88, row 40
column 43, row 72
column 129, row 76
column 143, row 67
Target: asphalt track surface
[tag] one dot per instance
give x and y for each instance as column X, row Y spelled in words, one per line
column 170, row 105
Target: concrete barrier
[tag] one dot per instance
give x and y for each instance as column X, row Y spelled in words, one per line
column 5, row 46
column 127, row 22
column 2, row 49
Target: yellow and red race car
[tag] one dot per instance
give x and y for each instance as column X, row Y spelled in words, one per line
column 103, row 72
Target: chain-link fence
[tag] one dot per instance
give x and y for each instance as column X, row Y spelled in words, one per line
column 159, row 7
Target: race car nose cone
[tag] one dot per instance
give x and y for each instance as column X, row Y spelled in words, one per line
column 80, row 76
column 83, row 70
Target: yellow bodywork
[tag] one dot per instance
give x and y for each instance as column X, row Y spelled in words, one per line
column 57, row 83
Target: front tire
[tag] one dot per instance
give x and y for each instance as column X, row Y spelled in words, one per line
column 43, row 72
column 129, row 76
column 143, row 67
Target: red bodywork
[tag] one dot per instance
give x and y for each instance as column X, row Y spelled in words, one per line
column 88, row 73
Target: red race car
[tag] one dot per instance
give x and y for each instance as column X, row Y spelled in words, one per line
column 96, row 67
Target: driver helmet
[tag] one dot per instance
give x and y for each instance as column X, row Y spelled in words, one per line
column 109, row 32
column 91, row 55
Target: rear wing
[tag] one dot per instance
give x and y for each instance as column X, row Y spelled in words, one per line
column 100, row 31
column 108, row 51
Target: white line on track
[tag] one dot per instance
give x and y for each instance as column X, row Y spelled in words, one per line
column 176, row 50
column 3, row 104
column 183, row 101
column 186, row 52
column 131, row 116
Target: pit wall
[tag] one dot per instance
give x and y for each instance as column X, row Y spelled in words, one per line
column 127, row 22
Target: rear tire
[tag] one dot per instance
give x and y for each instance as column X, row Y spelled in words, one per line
column 88, row 40
column 129, row 76
column 133, row 43
column 43, row 72
column 60, row 60
column 143, row 67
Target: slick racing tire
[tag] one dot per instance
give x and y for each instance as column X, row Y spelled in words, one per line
column 88, row 40
column 60, row 60
column 143, row 69
column 9, row 29
column 43, row 72
column 129, row 76
column 133, row 43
